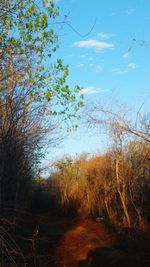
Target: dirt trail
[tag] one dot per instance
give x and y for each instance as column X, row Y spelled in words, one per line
column 65, row 242
column 90, row 244
column 80, row 245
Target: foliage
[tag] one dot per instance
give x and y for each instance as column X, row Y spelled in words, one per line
column 28, row 42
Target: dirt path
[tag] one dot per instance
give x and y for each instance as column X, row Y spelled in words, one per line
column 65, row 242
column 79, row 246
column 89, row 244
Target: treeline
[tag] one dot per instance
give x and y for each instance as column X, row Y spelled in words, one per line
column 114, row 185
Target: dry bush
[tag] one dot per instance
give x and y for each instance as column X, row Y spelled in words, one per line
column 9, row 249
column 19, row 137
column 80, row 183
column 112, row 185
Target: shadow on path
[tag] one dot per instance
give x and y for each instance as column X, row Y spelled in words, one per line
column 115, row 257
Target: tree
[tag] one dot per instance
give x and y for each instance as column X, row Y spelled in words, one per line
column 131, row 168
column 118, row 123
column 33, row 91
column 28, row 41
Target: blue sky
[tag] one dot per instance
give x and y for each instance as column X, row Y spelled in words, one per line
column 111, row 62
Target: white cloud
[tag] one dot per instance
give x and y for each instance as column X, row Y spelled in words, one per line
column 132, row 66
column 103, row 35
column 99, row 68
column 89, row 90
column 80, row 65
column 120, row 71
column 93, row 90
column 98, row 45
column 126, row 55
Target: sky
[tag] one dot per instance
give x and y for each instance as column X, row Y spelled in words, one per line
column 107, row 47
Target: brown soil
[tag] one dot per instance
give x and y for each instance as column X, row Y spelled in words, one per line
column 81, row 240
column 64, row 242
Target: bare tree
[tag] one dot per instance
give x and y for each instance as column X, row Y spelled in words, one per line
column 123, row 131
